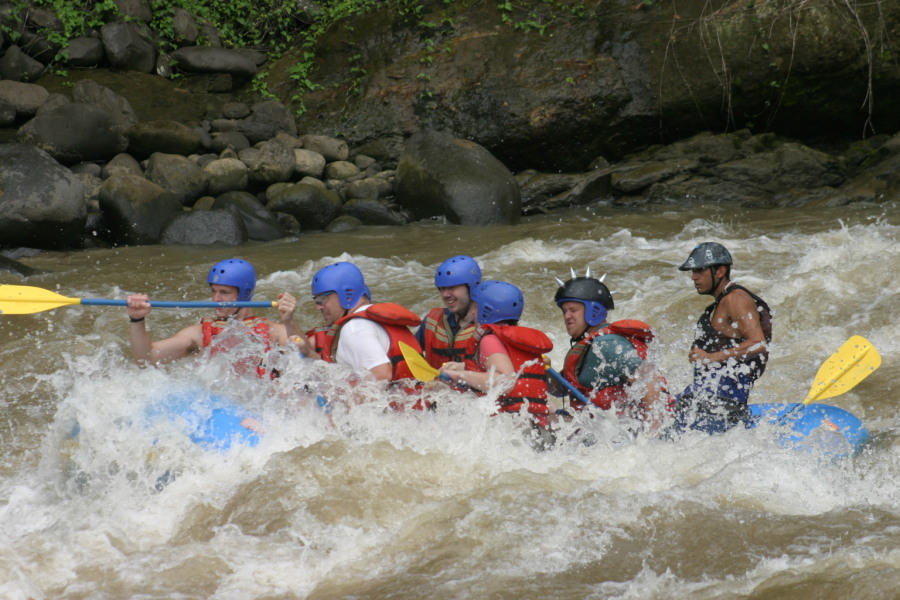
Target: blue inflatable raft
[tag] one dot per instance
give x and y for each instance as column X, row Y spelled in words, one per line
column 816, row 427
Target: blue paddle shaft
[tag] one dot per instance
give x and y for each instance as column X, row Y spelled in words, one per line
column 572, row 390
column 182, row 304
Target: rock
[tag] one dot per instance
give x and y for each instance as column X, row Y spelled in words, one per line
column 91, row 92
column 170, row 137
column 7, row 114
column 439, row 175
column 75, row 132
column 39, row 47
column 314, row 207
column 54, row 100
column 16, row 65
column 308, row 163
column 184, row 27
column 235, row 110
column 229, row 139
column 261, row 225
column 208, row 59
column 129, row 45
column 84, row 52
column 8, row 265
column 137, row 10
column 267, row 120
column 344, row 223
column 41, row 202
column 374, row 212
column 274, row 163
column 331, row 148
column 200, row 227
column 369, row 188
column 178, row 175
column 122, row 164
column 26, row 97
column 341, row 170
column 226, row 175
column 135, row 210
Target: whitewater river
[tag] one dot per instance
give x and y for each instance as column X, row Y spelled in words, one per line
column 101, row 497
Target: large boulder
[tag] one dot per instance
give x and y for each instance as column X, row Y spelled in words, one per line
column 16, row 65
column 440, row 175
column 273, row 163
column 91, row 92
column 75, row 132
column 129, row 45
column 170, row 137
column 41, row 202
column 178, row 175
column 259, row 222
column 205, row 227
column 313, row 206
column 26, row 97
column 135, row 210
column 207, row 59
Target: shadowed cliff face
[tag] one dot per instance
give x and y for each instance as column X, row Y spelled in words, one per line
column 604, row 83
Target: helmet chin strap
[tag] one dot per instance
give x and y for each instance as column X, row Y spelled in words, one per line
column 712, row 276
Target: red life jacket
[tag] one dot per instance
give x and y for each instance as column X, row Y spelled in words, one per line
column 396, row 321
column 441, row 346
column 526, row 348
column 323, row 337
column 256, row 326
column 636, row 332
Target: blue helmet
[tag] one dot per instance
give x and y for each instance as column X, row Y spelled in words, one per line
column 343, row 278
column 591, row 292
column 236, row 273
column 498, row 301
column 458, row 270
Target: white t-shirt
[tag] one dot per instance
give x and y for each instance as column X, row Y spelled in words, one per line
column 363, row 344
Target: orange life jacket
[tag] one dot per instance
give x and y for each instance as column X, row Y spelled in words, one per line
column 636, row 332
column 396, row 321
column 256, row 326
column 526, row 348
column 441, row 346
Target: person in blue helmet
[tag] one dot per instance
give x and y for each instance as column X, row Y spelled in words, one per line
column 500, row 349
column 229, row 281
column 445, row 331
column 730, row 349
column 357, row 333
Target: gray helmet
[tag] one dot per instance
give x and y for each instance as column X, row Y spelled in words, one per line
column 707, row 254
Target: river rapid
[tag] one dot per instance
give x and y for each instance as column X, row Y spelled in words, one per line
column 99, row 500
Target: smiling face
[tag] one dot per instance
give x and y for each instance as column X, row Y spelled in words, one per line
column 573, row 315
column 224, row 293
column 456, row 299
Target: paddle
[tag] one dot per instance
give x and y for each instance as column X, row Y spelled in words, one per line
column 420, row 368
column 26, row 300
column 855, row 360
column 571, row 388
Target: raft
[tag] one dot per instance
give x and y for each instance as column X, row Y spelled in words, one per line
column 816, row 427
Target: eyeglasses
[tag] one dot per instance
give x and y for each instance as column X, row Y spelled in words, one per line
column 321, row 298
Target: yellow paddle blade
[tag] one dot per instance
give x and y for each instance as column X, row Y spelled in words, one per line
column 26, row 300
column 853, row 362
column 417, row 364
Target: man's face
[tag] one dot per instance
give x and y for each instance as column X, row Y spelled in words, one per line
column 573, row 315
column 456, row 298
column 703, row 280
column 224, row 293
column 329, row 306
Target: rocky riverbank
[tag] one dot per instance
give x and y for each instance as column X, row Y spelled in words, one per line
column 121, row 154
